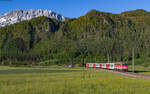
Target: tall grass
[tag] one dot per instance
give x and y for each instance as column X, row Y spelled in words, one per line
column 69, row 81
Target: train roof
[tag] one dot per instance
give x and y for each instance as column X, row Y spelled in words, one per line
column 121, row 62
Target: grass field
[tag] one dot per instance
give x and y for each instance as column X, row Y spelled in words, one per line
column 141, row 70
column 68, row 81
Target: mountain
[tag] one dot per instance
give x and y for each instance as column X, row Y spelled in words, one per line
column 136, row 13
column 89, row 38
column 21, row 15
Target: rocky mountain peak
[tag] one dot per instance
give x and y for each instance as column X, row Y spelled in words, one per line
column 21, row 15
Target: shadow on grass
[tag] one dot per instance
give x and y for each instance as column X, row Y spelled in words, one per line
column 139, row 71
column 23, row 71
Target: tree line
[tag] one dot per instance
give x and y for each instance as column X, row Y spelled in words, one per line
column 89, row 38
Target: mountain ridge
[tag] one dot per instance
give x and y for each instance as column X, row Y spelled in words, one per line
column 135, row 13
column 16, row 16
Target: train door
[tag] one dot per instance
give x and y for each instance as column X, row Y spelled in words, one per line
column 107, row 66
column 94, row 65
column 100, row 66
column 87, row 65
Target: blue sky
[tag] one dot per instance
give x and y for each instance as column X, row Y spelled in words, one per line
column 75, row 8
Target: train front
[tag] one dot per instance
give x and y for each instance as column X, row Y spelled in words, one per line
column 121, row 66
column 124, row 67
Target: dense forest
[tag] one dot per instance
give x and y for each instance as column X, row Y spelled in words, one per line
column 90, row 38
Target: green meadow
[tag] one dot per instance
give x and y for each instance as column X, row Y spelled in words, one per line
column 68, row 81
column 141, row 70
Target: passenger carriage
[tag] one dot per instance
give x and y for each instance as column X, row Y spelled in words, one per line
column 120, row 66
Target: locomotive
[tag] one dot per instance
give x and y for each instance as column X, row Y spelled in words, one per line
column 120, row 66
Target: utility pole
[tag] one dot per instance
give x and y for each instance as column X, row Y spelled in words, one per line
column 132, row 59
column 108, row 58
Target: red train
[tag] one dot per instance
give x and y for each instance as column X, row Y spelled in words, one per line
column 120, row 66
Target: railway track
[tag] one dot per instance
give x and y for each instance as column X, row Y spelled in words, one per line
column 131, row 74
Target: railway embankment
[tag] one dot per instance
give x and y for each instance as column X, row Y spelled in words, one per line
column 131, row 74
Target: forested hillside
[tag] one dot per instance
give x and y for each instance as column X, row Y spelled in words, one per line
column 89, row 38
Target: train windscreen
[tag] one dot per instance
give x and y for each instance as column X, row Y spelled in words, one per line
column 125, row 65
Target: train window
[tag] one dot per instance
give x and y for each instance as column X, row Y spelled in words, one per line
column 124, row 64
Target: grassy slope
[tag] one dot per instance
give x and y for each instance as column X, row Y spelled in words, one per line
column 70, row 81
column 141, row 70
